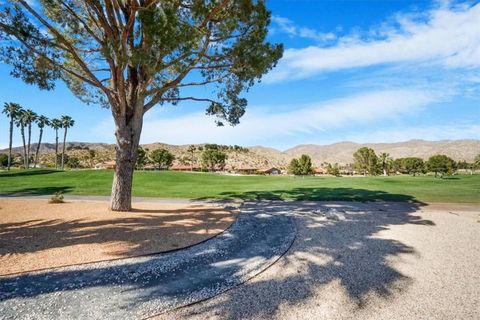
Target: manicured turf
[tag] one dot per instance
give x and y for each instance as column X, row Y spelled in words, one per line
column 205, row 186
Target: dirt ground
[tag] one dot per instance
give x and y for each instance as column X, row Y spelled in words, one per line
column 36, row 235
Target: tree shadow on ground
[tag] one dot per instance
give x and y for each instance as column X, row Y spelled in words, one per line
column 344, row 259
column 152, row 231
column 25, row 173
column 315, row 194
column 347, row 256
column 40, row 191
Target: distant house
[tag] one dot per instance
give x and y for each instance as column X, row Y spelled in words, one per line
column 320, row 171
column 246, row 170
column 272, row 170
column 105, row 165
column 184, row 167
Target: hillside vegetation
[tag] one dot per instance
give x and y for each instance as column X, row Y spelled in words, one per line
column 262, row 157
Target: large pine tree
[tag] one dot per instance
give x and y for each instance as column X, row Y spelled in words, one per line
column 135, row 54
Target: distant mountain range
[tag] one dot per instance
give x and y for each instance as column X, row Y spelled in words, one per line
column 340, row 152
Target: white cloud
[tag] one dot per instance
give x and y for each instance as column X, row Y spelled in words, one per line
column 447, row 37
column 272, row 128
column 287, row 26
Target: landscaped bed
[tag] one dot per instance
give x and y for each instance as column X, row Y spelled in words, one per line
column 37, row 235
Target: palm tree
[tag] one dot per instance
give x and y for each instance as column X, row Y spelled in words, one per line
column 56, row 124
column 67, row 122
column 11, row 110
column 385, row 161
column 42, row 121
column 30, row 117
column 20, row 122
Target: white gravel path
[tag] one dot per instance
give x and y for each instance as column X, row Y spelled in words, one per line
column 382, row 261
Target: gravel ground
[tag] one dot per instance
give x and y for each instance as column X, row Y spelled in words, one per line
column 37, row 235
column 358, row 261
column 140, row 287
column 370, row 261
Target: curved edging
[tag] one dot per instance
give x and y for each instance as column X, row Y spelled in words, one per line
column 147, row 286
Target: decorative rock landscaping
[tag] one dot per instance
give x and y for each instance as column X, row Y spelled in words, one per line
column 146, row 286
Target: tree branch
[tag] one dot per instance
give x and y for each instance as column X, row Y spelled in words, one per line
column 84, row 24
column 56, row 64
column 192, row 99
column 71, row 49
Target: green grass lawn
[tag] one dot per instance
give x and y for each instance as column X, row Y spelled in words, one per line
column 167, row 184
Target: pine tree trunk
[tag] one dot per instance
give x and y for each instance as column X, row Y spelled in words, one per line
column 56, row 148
column 121, row 199
column 10, row 144
column 38, row 148
column 127, row 135
column 63, row 147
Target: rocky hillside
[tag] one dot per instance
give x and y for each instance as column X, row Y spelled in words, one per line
column 342, row 152
column 260, row 157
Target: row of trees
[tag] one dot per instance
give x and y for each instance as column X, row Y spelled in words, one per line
column 366, row 162
column 24, row 119
column 211, row 158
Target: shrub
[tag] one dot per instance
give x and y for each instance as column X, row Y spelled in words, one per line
column 3, row 160
column 56, row 198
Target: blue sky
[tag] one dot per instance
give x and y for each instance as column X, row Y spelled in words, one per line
column 363, row 71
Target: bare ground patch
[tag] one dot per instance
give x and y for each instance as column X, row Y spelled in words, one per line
column 37, row 235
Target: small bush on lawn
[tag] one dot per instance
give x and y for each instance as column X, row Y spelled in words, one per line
column 56, row 198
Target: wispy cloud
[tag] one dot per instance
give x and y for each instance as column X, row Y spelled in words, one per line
column 287, row 26
column 447, row 37
column 267, row 127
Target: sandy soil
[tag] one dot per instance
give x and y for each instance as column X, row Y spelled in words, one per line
column 36, row 235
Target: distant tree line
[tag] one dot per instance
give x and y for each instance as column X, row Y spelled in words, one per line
column 210, row 157
column 225, row 148
column 25, row 120
column 366, row 161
